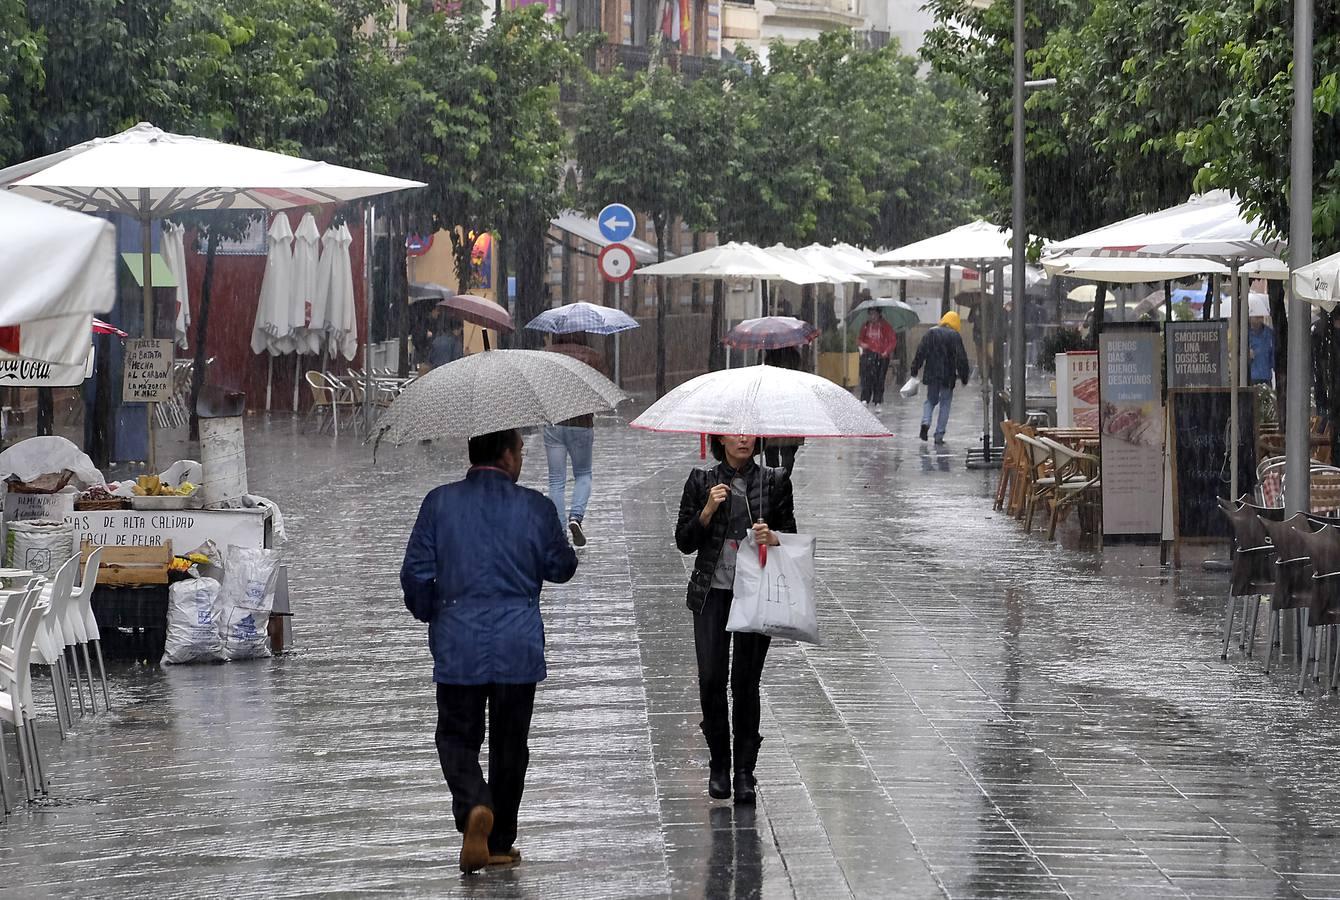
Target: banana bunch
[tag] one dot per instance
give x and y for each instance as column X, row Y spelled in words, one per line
column 153, row 486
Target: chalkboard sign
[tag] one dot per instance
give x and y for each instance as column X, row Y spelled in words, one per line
column 1198, row 450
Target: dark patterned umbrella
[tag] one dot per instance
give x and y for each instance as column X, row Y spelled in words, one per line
column 770, row 333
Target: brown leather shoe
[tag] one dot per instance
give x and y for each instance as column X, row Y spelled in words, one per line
column 475, row 846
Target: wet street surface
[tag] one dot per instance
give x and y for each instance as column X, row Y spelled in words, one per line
column 990, row 715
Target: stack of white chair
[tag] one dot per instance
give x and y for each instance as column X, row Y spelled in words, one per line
column 24, row 613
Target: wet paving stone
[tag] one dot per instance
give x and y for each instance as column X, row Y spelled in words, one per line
column 990, row 716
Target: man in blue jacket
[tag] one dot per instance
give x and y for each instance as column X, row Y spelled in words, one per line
column 480, row 552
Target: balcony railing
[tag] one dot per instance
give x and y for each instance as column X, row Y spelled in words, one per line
column 625, row 57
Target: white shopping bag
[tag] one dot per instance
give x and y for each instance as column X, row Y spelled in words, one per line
column 776, row 599
column 909, row 388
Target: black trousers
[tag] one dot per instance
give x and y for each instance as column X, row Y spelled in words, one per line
column 873, row 370
column 460, row 734
column 784, row 457
column 716, row 669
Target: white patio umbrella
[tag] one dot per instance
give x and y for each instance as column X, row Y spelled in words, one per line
column 57, row 270
column 337, row 286
column 1131, row 269
column 830, row 273
column 734, row 260
column 1210, row 226
column 174, row 257
column 977, row 243
column 303, row 292
column 273, row 329
column 150, row 174
column 1319, row 282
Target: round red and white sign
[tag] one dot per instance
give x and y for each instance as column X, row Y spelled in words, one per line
column 617, row 263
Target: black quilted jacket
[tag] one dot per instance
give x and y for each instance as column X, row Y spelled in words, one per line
column 771, row 494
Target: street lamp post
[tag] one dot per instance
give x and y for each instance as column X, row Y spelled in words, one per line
column 1297, row 438
column 1018, row 369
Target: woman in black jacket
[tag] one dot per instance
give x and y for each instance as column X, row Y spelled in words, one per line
column 719, row 506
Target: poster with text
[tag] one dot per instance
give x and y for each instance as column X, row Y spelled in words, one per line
column 1131, row 429
column 1197, row 354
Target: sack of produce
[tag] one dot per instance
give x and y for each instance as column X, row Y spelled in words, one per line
column 247, row 597
column 193, row 622
column 39, row 545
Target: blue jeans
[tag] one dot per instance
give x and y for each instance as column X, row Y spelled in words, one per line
column 944, row 396
column 560, row 442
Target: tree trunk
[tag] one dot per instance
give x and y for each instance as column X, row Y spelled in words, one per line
column 660, row 309
column 945, row 299
column 1099, row 307
column 529, row 245
column 100, row 431
column 202, row 330
column 46, row 410
column 399, row 298
column 506, row 240
column 715, row 355
column 696, row 287
column 1279, row 320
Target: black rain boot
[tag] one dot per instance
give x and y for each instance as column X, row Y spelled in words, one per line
column 744, row 788
column 718, row 748
column 718, row 783
column 925, row 431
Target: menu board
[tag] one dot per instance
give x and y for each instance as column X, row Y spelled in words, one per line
column 1197, row 354
column 1077, row 389
column 148, row 371
column 1131, row 429
column 1198, row 450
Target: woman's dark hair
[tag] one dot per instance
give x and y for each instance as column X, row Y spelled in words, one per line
column 487, row 449
column 783, row 358
column 719, row 450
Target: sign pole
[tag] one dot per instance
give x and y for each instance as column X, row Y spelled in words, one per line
column 147, row 298
column 1297, row 426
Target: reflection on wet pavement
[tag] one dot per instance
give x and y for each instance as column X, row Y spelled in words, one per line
column 990, row 715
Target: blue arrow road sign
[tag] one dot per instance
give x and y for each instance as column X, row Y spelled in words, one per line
column 616, row 222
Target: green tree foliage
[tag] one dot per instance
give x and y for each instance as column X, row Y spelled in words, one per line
column 975, row 46
column 835, row 143
column 21, row 73
column 480, row 121
column 659, row 144
column 1245, row 146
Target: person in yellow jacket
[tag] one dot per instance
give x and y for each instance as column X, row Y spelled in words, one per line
column 942, row 356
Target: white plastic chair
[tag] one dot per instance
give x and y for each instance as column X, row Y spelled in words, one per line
column 51, row 643
column 16, row 706
column 86, row 624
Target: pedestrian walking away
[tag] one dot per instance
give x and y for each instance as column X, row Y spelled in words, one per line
column 719, row 506
column 781, row 451
column 877, row 342
column 571, row 439
column 477, row 558
column 942, row 355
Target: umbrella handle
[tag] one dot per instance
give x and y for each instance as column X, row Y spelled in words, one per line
column 762, row 556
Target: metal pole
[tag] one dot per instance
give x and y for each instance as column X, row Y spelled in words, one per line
column 1297, row 468
column 1234, row 377
column 147, row 297
column 1018, row 370
column 369, row 244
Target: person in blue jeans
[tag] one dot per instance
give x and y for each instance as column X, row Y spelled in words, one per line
column 575, row 439
column 945, row 360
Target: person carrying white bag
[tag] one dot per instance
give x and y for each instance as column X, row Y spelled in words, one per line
column 774, row 594
column 726, row 512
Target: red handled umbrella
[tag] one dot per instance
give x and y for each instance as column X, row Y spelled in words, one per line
column 770, row 333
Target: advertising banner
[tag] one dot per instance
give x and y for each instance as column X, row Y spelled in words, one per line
column 1131, row 429
column 1197, row 355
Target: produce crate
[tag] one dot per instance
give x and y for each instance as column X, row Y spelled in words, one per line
column 131, row 565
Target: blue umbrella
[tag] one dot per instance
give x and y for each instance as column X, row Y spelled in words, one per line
column 587, row 317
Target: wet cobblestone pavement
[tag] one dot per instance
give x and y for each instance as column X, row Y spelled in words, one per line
column 991, row 715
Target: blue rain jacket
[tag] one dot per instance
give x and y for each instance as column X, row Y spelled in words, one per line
column 478, row 555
